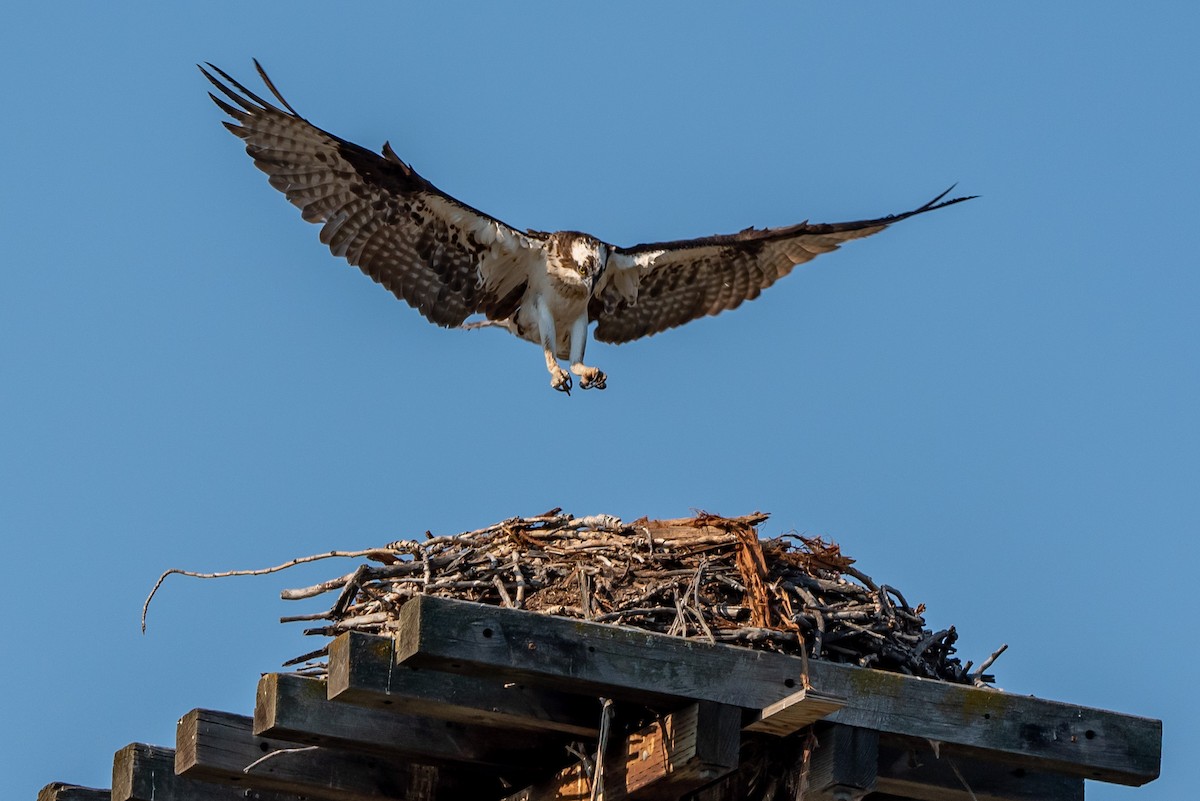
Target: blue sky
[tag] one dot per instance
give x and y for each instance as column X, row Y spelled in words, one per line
column 992, row 408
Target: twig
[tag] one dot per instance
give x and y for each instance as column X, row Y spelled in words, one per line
column 274, row 754
column 705, row 577
column 317, row 654
column 260, row 572
column 963, row 781
column 601, row 747
column 977, row 676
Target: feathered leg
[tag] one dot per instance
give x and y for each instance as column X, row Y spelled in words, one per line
column 546, row 333
column 589, row 377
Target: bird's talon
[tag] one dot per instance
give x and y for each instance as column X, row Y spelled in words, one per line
column 561, row 382
column 597, row 381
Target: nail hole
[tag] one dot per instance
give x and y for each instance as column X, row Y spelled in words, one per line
column 487, row 632
column 789, row 682
column 1089, row 734
column 591, row 649
column 987, row 715
column 264, row 747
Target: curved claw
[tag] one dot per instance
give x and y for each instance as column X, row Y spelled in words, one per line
column 598, row 381
column 561, row 382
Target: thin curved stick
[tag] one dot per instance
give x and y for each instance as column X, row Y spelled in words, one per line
column 369, row 552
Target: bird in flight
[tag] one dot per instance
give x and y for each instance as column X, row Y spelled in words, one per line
column 454, row 263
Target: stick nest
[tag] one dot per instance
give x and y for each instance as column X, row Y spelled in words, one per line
column 707, row 577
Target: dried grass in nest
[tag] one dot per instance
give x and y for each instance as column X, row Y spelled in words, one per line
column 706, row 577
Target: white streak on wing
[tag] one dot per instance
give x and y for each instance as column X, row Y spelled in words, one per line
column 624, row 271
column 473, row 223
column 506, row 255
column 484, row 232
column 641, row 261
column 502, row 274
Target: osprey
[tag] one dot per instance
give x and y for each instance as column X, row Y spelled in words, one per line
column 452, row 262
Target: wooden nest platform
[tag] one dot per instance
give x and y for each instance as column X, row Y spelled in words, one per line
column 684, row 660
column 707, row 578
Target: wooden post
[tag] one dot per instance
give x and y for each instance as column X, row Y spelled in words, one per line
column 678, row 753
column 843, row 763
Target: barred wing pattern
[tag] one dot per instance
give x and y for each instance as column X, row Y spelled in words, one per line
column 666, row 284
column 439, row 255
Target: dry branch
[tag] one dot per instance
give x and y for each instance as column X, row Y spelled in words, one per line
column 706, row 577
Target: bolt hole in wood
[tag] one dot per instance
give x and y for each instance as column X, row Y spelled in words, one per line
column 264, row 747
column 487, row 633
column 987, row 715
column 1091, row 735
column 591, row 649
column 789, row 683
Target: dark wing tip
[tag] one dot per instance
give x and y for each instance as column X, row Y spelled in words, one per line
column 247, row 99
column 938, row 203
column 933, row 205
column 271, row 85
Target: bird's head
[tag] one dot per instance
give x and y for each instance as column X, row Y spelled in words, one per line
column 577, row 258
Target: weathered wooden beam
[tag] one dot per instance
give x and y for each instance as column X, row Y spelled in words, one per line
column 676, row 754
column 850, row 763
column 60, row 791
column 651, row 668
column 843, row 764
column 363, row 670
column 147, row 773
column 221, row 748
column 911, row 769
column 296, row 708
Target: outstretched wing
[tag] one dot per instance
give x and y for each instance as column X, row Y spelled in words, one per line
column 650, row 288
column 442, row 257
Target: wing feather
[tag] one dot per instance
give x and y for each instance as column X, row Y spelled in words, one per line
column 439, row 255
column 676, row 282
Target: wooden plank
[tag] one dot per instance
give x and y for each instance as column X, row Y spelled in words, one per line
column 363, row 670
column 791, row 714
column 675, row 755
column 60, row 791
column 147, row 773
column 221, row 748
column 912, row 770
column 1036, row 734
column 296, row 708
